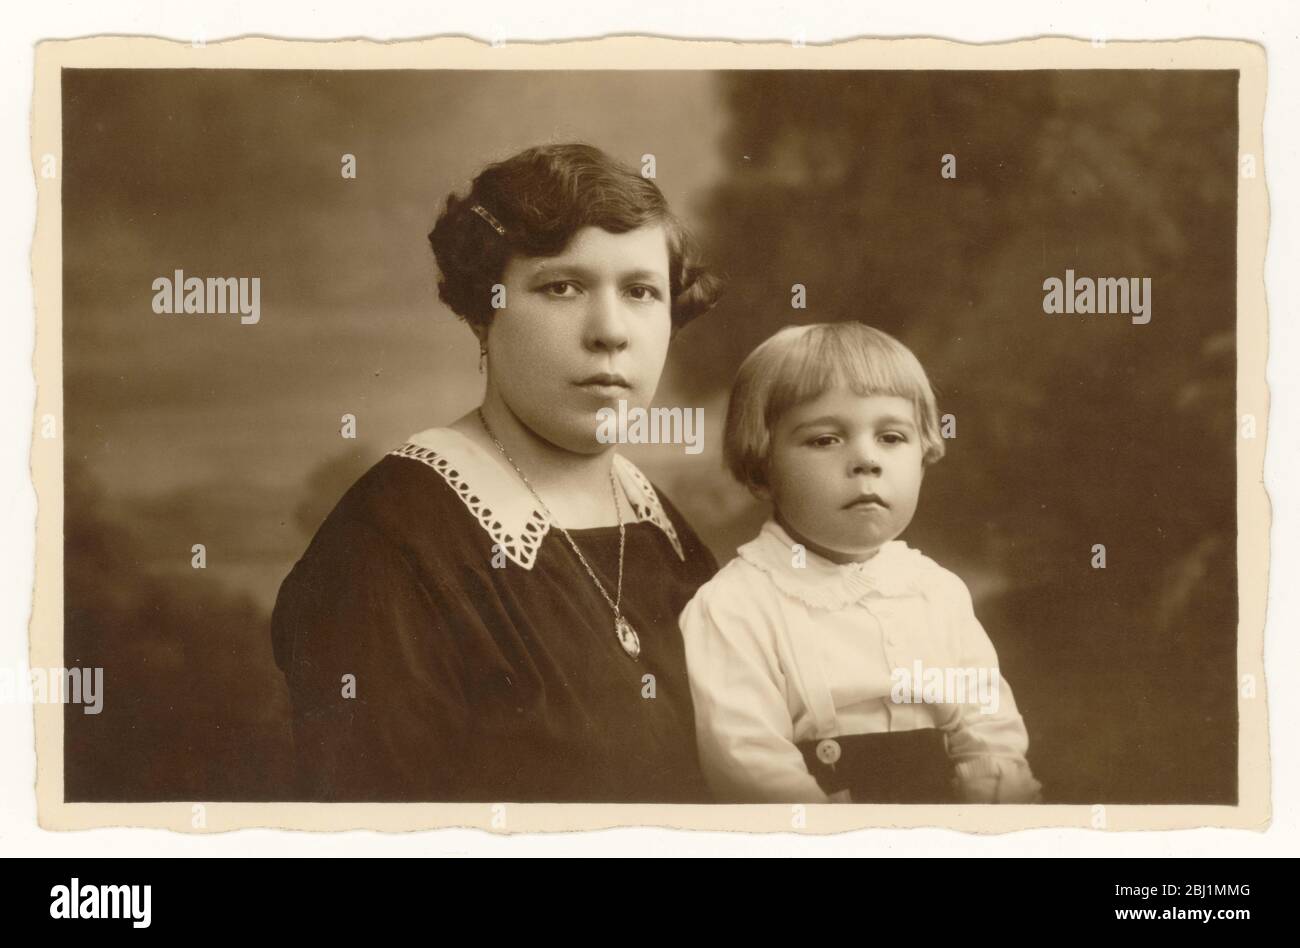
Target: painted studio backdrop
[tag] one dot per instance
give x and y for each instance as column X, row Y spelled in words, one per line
column 1070, row 431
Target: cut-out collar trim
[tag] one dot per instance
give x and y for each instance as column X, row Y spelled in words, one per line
column 503, row 506
column 895, row 570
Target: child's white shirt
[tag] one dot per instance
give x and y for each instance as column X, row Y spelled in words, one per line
column 785, row 646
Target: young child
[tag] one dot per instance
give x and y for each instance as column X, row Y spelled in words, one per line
column 829, row 661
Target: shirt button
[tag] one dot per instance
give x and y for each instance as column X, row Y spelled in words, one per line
column 828, row 751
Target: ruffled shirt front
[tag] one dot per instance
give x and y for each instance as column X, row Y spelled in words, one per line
column 785, row 646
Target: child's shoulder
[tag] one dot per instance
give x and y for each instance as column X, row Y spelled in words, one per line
column 739, row 588
column 938, row 579
column 738, row 577
column 739, row 601
column 929, row 566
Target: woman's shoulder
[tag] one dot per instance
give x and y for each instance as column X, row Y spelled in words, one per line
column 408, row 497
column 392, row 533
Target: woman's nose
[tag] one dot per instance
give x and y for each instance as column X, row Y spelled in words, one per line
column 606, row 323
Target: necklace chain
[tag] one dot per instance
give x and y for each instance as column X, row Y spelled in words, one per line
column 614, row 603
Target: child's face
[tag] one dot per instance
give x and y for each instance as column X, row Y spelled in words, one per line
column 828, row 455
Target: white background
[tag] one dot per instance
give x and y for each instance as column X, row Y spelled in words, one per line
column 1274, row 24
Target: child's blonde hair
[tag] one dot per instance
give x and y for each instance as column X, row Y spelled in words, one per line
column 801, row 363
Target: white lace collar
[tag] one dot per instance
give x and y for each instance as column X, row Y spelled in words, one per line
column 501, row 503
column 895, row 570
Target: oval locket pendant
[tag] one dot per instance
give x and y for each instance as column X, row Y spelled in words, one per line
column 627, row 637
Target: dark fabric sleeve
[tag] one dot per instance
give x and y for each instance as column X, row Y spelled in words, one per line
column 353, row 606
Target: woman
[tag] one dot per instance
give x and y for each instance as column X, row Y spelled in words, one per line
column 490, row 612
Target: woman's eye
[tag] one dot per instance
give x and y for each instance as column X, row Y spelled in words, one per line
column 643, row 293
column 560, row 288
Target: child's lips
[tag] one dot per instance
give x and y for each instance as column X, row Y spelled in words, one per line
column 866, row 502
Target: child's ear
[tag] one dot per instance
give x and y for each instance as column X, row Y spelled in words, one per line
column 760, row 491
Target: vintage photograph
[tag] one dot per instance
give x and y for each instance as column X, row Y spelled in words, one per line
column 853, row 434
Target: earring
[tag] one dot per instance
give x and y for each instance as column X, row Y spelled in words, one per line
column 482, row 358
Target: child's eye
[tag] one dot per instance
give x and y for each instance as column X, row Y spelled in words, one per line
column 644, row 294
column 560, row 289
column 893, row 437
column 823, row 441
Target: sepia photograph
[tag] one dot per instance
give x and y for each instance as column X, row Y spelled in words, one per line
column 873, row 433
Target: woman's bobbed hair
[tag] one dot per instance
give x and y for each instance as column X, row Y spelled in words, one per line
column 540, row 198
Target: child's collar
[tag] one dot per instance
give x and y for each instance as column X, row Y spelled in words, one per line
column 895, row 570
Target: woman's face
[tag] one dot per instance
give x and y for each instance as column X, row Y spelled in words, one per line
column 582, row 331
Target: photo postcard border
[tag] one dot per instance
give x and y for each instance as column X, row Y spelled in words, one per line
column 1253, row 810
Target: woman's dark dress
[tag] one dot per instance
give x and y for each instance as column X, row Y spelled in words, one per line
column 477, row 681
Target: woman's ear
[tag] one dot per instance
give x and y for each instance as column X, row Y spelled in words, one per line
column 481, row 334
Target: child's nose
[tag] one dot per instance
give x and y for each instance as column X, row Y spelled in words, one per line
column 865, row 459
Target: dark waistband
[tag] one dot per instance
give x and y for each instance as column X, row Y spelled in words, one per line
column 892, row 767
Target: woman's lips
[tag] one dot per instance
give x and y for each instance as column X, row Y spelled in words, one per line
column 605, row 385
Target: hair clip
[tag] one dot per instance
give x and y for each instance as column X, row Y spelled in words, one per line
column 482, row 212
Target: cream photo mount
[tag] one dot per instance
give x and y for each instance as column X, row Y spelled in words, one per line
column 1253, row 810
